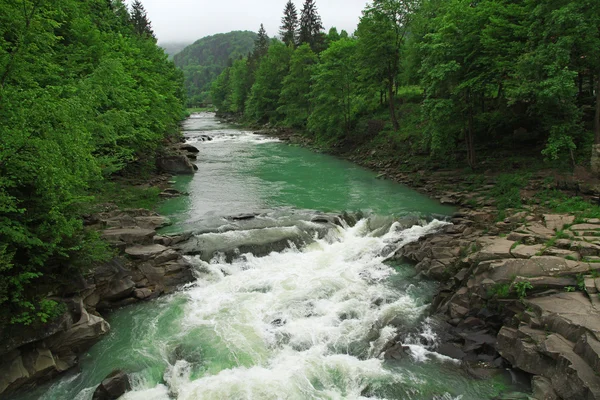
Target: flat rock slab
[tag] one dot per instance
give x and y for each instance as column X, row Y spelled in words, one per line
column 522, row 251
column 505, row 270
column 557, row 222
column 145, row 252
column 569, row 314
column 129, row 235
column 493, row 248
column 585, row 227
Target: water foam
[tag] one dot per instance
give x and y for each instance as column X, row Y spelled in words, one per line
column 297, row 324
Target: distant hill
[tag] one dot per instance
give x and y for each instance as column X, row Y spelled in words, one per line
column 172, row 48
column 204, row 60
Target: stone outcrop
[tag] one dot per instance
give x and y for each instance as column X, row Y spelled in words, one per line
column 178, row 160
column 146, row 268
column 528, row 293
column 112, row 387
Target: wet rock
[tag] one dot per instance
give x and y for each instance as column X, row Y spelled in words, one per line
column 177, row 164
column 112, row 387
column 451, row 350
column 396, row 352
column 243, row 217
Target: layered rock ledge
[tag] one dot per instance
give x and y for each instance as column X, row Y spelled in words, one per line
column 526, row 296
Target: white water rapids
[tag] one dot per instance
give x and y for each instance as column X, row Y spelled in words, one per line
column 295, row 323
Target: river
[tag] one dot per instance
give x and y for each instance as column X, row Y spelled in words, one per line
column 308, row 322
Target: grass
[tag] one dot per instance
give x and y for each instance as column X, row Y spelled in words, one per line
column 127, row 196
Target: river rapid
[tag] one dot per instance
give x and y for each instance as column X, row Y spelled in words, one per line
column 307, row 322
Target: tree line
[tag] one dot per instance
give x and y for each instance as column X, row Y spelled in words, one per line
column 439, row 77
column 85, row 95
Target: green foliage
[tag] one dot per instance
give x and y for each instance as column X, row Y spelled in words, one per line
column 84, row 94
column 295, row 97
column 501, row 291
column 507, row 190
column 205, row 59
column 521, row 288
column 334, row 92
column 263, row 101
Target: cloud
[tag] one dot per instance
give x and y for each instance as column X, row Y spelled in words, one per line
column 188, row 21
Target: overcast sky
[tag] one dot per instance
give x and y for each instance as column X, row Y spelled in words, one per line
column 188, row 20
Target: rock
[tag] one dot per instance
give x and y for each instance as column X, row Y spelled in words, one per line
column 504, row 271
column 118, row 289
column 142, row 293
column 557, row 222
column 569, row 314
column 152, row 222
column 112, row 387
column 542, row 389
column 396, row 352
column 585, row 227
column 81, row 336
column 493, row 248
column 522, row 251
column 177, row 164
column 188, row 148
column 451, row 350
column 243, row 217
column 588, row 348
column 129, row 236
column 145, row 252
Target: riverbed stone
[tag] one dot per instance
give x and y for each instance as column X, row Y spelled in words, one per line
column 129, row 236
column 177, row 164
column 112, row 387
column 556, row 222
column 145, row 252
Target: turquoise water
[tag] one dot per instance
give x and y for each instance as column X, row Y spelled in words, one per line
column 305, row 323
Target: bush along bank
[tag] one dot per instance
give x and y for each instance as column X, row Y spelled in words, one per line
column 142, row 265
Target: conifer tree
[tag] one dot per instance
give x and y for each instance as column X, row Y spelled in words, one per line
column 139, row 20
column 289, row 24
column 261, row 44
column 311, row 27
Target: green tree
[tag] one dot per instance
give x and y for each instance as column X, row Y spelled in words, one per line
column 295, row 98
column 263, row 101
column 381, row 33
column 289, row 24
column 139, row 19
column 311, row 27
column 334, row 92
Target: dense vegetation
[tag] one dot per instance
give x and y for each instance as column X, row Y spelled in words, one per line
column 442, row 78
column 204, row 60
column 85, row 94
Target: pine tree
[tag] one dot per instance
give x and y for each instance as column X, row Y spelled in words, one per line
column 311, row 27
column 139, row 20
column 261, row 44
column 289, row 24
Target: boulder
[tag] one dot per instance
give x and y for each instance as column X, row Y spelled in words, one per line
column 493, row 248
column 177, row 164
column 112, row 387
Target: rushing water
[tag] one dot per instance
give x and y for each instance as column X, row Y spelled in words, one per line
column 309, row 322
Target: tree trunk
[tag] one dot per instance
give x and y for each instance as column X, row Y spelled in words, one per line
column 595, row 162
column 392, row 105
column 470, row 141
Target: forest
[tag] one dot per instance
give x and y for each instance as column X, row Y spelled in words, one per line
column 444, row 79
column 206, row 58
column 86, row 95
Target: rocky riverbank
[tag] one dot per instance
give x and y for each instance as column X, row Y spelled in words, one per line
column 146, row 265
column 519, row 291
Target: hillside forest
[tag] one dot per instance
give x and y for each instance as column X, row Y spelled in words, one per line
column 204, row 60
column 446, row 80
column 86, row 95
